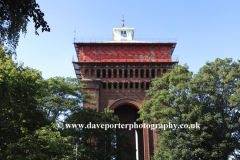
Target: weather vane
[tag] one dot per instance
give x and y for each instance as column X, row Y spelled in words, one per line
column 123, row 21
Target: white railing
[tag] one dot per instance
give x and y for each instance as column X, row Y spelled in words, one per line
column 135, row 40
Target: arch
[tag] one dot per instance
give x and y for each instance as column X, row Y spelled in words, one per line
column 135, row 102
column 136, row 73
column 109, row 73
column 92, row 73
column 115, row 73
column 158, row 73
column 147, row 73
column 109, row 85
column 104, row 73
column 164, row 71
column 86, row 73
column 120, row 73
column 98, row 73
column 153, row 73
column 115, row 85
column 142, row 73
column 125, row 73
column 131, row 73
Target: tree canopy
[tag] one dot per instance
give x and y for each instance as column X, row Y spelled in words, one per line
column 211, row 97
column 19, row 93
column 61, row 96
column 14, row 16
column 28, row 105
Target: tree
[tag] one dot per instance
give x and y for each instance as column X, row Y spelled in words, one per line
column 97, row 143
column 22, row 131
column 45, row 143
column 211, row 97
column 61, row 95
column 14, row 16
column 19, row 93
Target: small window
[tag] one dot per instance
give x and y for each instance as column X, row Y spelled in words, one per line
column 123, row 32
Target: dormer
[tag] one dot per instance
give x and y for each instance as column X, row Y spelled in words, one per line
column 123, row 34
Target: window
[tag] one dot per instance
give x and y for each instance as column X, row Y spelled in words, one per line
column 153, row 73
column 131, row 73
column 104, row 85
column 104, row 73
column 136, row 73
column 131, row 84
column 115, row 73
column 109, row 85
column 98, row 73
column 147, row 73
column 125, row 73
column 126, row 85
column 136, row 84
column 120, row 73
column 109, row 73
column 120, row 85
column 123, row 32
column 115, row 85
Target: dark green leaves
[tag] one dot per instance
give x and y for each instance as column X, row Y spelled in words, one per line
column 211, row 98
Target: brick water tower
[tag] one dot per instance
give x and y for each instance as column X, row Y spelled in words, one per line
column 119, row 72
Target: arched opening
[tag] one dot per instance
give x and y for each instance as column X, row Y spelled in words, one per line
column 125, row 73
column 147, row 73
column 125, row 85
column 158, row 73
column 109, row 73
column 142, row 73
column 92, row 73
column 136, row 73
column 98, row 73
column 115, row 73
column 164, row 71
column 142, row 85
column 120, row 85
column 109, row 85
column 136, row 85
column 120, row 73
column 153, row 73
column 128, row 115
column 104, row 85
column 104, row 73
column 131, row 73
column 115, row 85
column 131, row 84
column 147, row 85
column 86, row 73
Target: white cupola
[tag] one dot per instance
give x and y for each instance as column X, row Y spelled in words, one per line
column 123, row 34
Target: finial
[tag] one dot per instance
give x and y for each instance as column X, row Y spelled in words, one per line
column 123, row 22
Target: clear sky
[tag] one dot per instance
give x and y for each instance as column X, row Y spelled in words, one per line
column 204, row 29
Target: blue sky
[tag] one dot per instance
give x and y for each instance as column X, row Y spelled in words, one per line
column 205, row 30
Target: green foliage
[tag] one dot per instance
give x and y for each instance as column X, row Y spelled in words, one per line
column 21, row 118
column 97, row 143
column 211, row 98
column 14, row 16
column 18, row 100
column 28, row 103
column 61, row 95
column 43, row 144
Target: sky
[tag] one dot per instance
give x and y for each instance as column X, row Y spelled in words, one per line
column 205, row 30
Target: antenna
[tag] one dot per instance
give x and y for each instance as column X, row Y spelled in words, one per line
column 123, row 21
column 74, row 34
